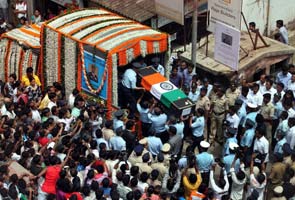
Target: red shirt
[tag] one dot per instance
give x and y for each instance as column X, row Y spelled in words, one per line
column 43, row 140
column 51, row 176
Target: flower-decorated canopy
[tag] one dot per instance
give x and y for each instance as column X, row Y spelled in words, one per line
column 19, row 49
column 27, row 35
column 119, row 39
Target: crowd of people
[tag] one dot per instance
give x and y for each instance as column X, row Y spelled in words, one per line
column 67, row 149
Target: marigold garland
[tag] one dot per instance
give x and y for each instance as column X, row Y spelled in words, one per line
column 7, row 60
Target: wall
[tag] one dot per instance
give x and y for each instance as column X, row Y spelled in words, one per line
column 256, row 10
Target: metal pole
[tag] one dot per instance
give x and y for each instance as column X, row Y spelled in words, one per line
column 194, row 34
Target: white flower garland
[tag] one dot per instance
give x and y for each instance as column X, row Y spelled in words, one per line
column 26, row 61
column 75, row 15
column 143, row 48
column 115, row 79
column 115, row 41
column 156, row 46
column 18, row 59
column 3, row 49
column 86, row 22
column 90, row 29
column 70, row 65
column 34, row 61
column 130, row 55
column 113, row 30
column 51, row 56
column 22, row 37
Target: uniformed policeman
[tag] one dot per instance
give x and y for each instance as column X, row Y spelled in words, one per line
column 229, row 158
column 118, row 122
column 231, row 139
column 247, row 140
column 158, row 67
column 267, row 111
column 128, row 87
column 204, row 103
column 219, row 107
column 232, row 94
column 205, row 161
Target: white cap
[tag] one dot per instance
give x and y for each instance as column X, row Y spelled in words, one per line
column 233, row 145
column 166, row 147
column 252, row 105
column 143, row 141
column 51, row 145
column 205, row 144
column 278, row 190
column 256, row 170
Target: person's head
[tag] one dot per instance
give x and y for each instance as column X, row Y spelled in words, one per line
column 291, row 122
column 30, row 72
column 105, row 183
column 190, row 68
column 220, row 92
column 192, row 178
column 259, row 132
column 255, row 88
column 203, row 91
column 252, row 26
column 268, row 84
column 23, row 20
column 266, row 98
column 154, row 174
column 183, row 65
column 260, row 178
column 52, row 97
column 130, row 124
column 174, row 71
column 126, row 180
column 36, row 12
column 12, row 78
column 194, row 88
column 280, row 87
column 280, row 23
column 200, row 112
column 232, row 110
column 144, row 177
column 157, row 111
column 241, row 175
column 109, row 124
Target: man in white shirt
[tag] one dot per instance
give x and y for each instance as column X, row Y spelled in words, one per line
column 283, row 31
column 238, row 181
column 261, row 146
column 284, row 76
column 158, row 67
column 233, row 118
column 291, row 84
column 269, row 89
column 255, row 96
column 290, row 137
column 261, row 82
column 52, row 100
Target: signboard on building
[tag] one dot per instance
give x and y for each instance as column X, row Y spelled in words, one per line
column 227, row 45
column 171, row 9
column 225, row 11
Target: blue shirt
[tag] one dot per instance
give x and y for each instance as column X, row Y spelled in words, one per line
column 279, row 146
column 143, row 114
column 129, row 79
column 251, row 116
column 154, row 145
column 278, row 109
column 283, row 78
column 228, row 160
column 118, row 123
column 226, row 145
column 198, row 126
column 204, row 161
column 179, row 128
column 158, row 122
column 248, row 138
column 242, row 113
column 117, row 143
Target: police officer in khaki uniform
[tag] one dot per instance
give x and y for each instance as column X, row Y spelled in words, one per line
column 144, row 166
column 219, row 106
column 232, row 94
column 160, row 166
column 204, row 103
column 267, row 111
